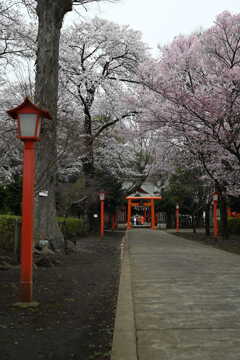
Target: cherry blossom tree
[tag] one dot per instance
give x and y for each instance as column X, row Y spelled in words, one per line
column 196, row 86
column 16, row 48
column 97, row 58
column 10, row 148
column 98, row 65
column 9, row 18
column 197, row 82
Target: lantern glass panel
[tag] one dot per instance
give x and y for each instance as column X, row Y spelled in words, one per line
column 102, row 196
column 28, row 123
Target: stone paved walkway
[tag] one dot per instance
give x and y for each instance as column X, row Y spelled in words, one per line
column 178, row 300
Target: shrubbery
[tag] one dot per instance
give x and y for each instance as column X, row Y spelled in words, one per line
column 71, row 228
column 234, row 226
column 7, row 231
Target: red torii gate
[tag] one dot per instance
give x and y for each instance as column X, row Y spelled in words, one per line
column 150, row 203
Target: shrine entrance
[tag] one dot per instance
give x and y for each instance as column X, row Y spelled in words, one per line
column 141, row 211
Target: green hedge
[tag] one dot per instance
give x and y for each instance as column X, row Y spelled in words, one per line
column 7, row 231
column 71, row 228
column 234, row 226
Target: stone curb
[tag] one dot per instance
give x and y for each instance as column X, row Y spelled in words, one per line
column 124, row 337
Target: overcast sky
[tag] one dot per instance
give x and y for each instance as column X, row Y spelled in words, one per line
column 161, row 20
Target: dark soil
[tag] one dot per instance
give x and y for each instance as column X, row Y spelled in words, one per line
column 77, row 299
column 232, row 244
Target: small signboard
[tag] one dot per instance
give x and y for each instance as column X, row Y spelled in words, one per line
column 43, row 193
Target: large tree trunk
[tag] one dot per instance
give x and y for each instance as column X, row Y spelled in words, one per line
column 88, row 160
column 50, row 14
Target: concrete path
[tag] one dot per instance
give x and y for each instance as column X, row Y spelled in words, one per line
column 178, row 300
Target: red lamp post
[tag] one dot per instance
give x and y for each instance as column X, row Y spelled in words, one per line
column 153, row 227
column 102, row 198
column 215, row 206
column 29, row 119
column 177, row 218
column 129, row 213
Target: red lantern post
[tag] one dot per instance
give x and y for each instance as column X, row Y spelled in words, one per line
column 177, row 218
column 215, row 221
column 129, row 214
column 153, row 227
column 29, row 118
column 102, row 198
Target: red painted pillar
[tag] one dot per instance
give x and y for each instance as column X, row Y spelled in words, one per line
column 102, row 218
column 27, row 221
column 177, row 218
column 129, row 214
column 153, row 215
column 215, row 221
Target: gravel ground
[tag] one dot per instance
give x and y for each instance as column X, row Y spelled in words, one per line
column 77, row 300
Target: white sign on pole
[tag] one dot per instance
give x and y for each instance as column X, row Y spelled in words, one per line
column 43, row 193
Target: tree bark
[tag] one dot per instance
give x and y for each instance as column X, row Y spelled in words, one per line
column 88, row 159
column 88, row 156
column 50, row 15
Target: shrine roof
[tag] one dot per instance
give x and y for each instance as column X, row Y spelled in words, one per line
column 146, row 191
column 138, row 196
